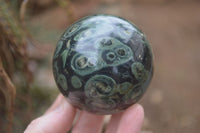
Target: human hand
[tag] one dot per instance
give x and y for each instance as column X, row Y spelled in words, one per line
column 59, row 118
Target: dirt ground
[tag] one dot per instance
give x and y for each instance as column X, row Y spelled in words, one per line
column 173, row 28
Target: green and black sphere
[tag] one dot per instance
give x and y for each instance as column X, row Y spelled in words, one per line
column 103, row 64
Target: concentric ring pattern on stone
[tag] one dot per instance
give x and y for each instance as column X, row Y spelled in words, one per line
column 103, row 64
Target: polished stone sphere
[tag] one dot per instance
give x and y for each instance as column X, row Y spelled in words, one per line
column 103, row 64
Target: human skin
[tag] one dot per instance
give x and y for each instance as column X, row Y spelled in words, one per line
column 60, row 116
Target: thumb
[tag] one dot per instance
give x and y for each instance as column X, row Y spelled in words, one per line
column 58, row 120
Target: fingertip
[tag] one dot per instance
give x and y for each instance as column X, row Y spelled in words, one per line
column 58, row 120
column 56, row 103
column 88, row 123
column 136, row 109
column 132, row 119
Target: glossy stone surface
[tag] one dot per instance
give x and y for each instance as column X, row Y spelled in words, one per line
column 103, row 64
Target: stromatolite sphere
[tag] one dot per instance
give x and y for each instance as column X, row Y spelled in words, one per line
column 103, row 64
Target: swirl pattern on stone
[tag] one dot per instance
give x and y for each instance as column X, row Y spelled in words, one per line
column 103, row 64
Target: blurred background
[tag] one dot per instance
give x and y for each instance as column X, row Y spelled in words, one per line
column 29, row 31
